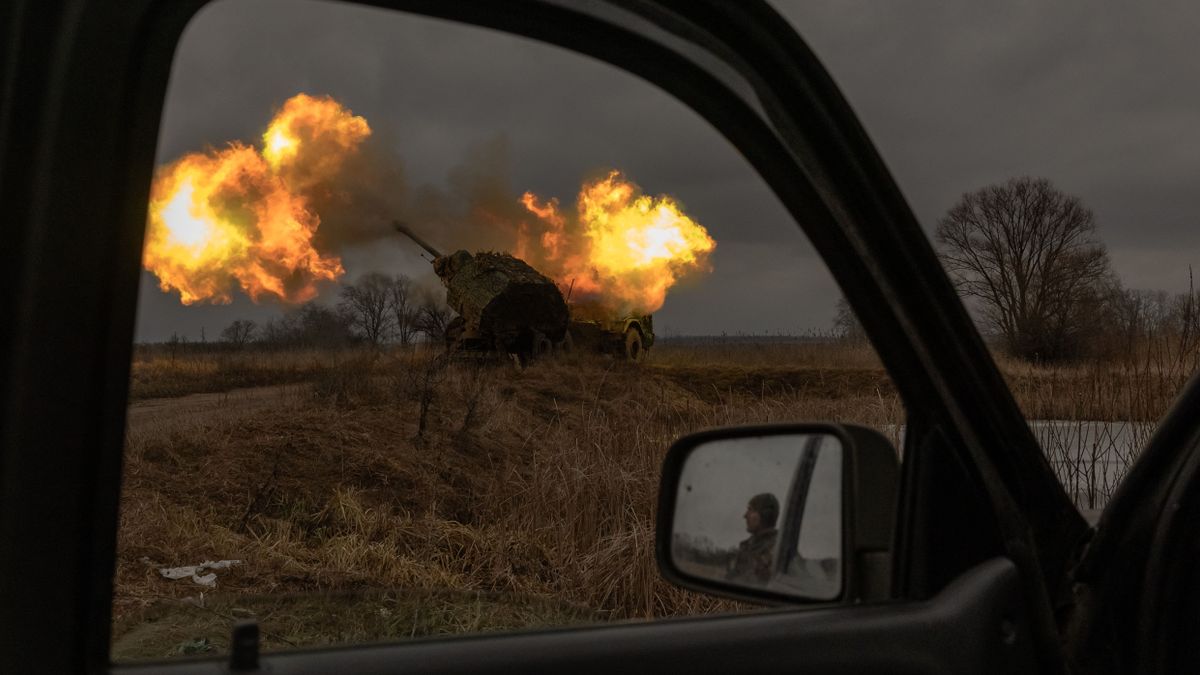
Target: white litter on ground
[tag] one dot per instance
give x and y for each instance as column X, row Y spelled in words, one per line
column 194, row 571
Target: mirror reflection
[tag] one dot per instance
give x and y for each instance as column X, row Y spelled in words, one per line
column 763, row 512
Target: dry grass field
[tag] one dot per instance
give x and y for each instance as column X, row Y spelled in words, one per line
column 382, row 496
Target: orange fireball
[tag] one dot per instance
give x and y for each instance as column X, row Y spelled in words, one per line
column 623, row 249
column 309, row 139
column 237, row 217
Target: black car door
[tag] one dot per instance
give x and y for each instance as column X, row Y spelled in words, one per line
column 985, row 534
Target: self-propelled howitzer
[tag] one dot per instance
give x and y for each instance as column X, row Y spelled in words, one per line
column 503, row 304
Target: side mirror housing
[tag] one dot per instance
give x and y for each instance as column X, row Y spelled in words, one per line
column 785, row 513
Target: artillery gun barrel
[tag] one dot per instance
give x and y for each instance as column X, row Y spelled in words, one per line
column 403, row 229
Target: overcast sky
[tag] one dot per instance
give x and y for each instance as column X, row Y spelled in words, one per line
column 955, row 97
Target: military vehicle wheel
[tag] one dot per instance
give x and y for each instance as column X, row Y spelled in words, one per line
column 542, row 346
column 567, row 345
column 454, row 332
column 633, row 345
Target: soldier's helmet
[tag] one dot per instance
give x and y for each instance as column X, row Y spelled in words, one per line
column 767, row 507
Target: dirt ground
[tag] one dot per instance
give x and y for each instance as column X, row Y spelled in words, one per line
column 164, row 415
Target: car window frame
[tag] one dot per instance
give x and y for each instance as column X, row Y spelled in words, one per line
column 785, row 115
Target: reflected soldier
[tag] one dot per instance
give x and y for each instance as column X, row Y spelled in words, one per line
column 755, row 556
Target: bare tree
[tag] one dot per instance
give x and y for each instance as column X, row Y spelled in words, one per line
column 239, row 333
column 432, row 318
column 281, row 331
column 367, row 301
column 845, row 323
column 1030, row 255
column 1184, row 318
column 174, row 343
column 404, row 309
column 311, row 325
column 321, row 326
column 1135, row 314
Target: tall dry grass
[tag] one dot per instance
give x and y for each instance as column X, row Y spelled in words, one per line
column 1097, row 414
column 407, row 496
column 160, row 373
column 740, row 352
column 526, row 496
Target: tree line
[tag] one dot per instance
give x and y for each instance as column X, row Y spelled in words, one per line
column 1027, row 259
column 374, row 310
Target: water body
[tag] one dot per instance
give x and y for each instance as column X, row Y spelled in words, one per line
column 1089, row 457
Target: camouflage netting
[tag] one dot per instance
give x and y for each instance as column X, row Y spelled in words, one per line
column 502, row 296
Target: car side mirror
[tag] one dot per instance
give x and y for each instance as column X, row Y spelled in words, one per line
column 780, row 513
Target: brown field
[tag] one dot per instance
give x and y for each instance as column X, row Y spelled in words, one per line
column 382, row 496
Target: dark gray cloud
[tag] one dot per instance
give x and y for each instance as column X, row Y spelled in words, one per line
column 1096, row 99
column 466, row 111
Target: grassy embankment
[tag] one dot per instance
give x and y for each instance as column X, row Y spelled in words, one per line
column 459, row 498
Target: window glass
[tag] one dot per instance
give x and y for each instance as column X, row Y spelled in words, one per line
column 1048, row 151
column 351, row 435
